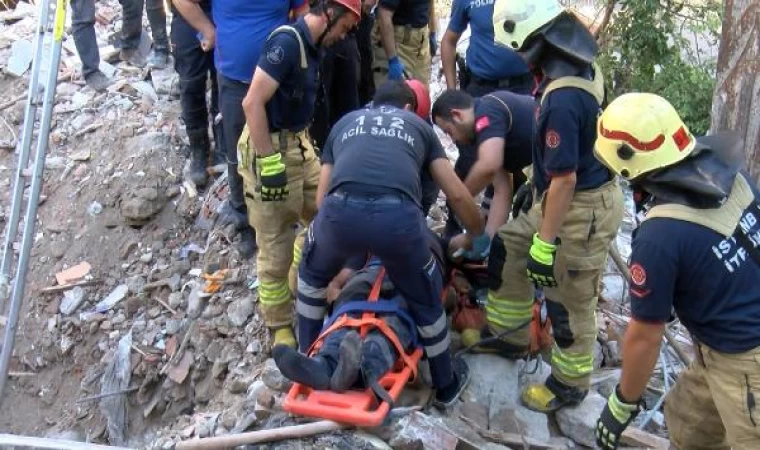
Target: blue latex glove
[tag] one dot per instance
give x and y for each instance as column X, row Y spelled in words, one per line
column 395, row 69
column 433, row 44
column 481, row 247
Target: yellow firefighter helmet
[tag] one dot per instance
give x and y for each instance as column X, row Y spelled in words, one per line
column 515, row 20
column 639, row 133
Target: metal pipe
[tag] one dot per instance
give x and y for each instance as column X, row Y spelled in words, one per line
column 56, row 444
column 30, row 223
column 27, row 134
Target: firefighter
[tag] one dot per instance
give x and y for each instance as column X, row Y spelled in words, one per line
column 697, row 251
column 250, row 22
column 562, row 241
column 371, row 203
column 404, row 40
column 488, row 68
column 500, row 127
column 277, row 161
column 194, row 62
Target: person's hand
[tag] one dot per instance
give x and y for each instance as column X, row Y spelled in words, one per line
column 541, row 262
column 395, row 69
column 273, row 179
column 337, row 283
column 208, row 39
column 458, row 245
column 481, row 247
column 523, row 200
column 614, row 419
column 433, row 44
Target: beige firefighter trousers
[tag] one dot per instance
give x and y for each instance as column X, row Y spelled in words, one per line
column 412, row 48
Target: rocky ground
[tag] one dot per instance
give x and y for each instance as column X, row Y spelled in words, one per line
column 131, row 242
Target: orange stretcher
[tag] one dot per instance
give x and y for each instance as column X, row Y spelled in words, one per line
column 357, row 407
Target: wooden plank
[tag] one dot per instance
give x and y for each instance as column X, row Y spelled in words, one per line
column 640, row 438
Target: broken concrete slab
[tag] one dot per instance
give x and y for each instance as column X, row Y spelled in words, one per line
column 579, row 422
column 22, row 52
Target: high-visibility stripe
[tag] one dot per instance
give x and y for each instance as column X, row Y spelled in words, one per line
column 437, row 349
column 572, row 365
column 274, row 292
column 310, row 291
column 431, row 331
column 310, row 311
column 508, row 313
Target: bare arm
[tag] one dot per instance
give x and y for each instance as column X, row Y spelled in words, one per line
column 194, row 15
column 263, row 87
column 324, row 182
column 449, row 57
column 641, row 347
column 387, row 34
column 502, row 202
column 456, row 193
column 558, row 197
column 490, row 160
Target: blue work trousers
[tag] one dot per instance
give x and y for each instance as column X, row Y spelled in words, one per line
column 392, row 228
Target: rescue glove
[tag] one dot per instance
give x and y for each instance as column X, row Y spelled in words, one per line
column 395, row 69
column 481, row 247
column 523, row 200
column 273, row 179
column 433, row 44
column 615, row 417
column 541, row 263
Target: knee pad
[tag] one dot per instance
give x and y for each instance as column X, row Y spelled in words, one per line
column 496, row 259
column 560, row 318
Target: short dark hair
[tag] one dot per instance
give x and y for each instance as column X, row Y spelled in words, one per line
column 394, row 93
column 451, row 99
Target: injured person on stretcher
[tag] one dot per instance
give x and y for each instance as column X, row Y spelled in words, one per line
column 345, row 360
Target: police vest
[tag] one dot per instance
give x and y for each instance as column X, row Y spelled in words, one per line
column 725, row 220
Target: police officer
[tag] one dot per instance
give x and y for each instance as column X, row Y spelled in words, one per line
column 562, row 241
column 250, row 22
column 404, row 40
column 371, row 203
column 697, row 251
column 193, row 37
column 489, row 67
column 278, row 164
column 500, row 127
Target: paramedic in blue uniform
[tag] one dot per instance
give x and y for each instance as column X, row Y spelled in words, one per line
column 489, row 67
column 698, row 252
column 242, row 26
column 371, row 203
column 500, row 127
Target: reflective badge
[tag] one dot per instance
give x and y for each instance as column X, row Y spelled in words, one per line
column 638, row 274
column 275, row 54
column 552, row 139
column 481, row 124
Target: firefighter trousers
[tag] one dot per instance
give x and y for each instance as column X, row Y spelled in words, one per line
column 412, row 48
column 275, row 221
column 713, row 405
column 590, row 225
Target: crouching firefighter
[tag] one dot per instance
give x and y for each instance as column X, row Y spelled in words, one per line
column 277, row 161
column 562, row 241
column 372, row 167
column 343, row 360
column 696, row 251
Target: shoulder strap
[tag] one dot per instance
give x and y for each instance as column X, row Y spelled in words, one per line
column 506, row 107
column 594, row 87
column 301, row 47
column 722, row 220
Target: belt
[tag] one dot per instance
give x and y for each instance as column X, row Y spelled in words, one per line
column 502, row 83
column 366, row 197
column 281, row 137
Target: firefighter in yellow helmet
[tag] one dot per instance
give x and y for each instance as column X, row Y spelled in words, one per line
column 696, row 252
column 561, row 242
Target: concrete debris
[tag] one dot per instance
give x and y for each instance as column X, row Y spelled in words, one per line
column 420, row 431
column 240, row 310
column 273, row 378
column 74, row 273
column 579, row 422
column 112, row 299
column 71, row 300
column 22, row 52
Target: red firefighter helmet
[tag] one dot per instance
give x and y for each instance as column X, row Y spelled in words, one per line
column 355, row 6
column 422, row 98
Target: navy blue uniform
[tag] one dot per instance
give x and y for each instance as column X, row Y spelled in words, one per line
column 373, row 206
column 414, row 13
column 712, row 282
column 292, row 106
column 485, row 59
column 513, row 120
column 566, row 132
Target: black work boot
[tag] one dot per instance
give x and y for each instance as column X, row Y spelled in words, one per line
column 158, row 59
column 347, row 370
column 313, row 372
column 247, row 246
column 199, row 148
column 447, row 396
column 234, row 210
